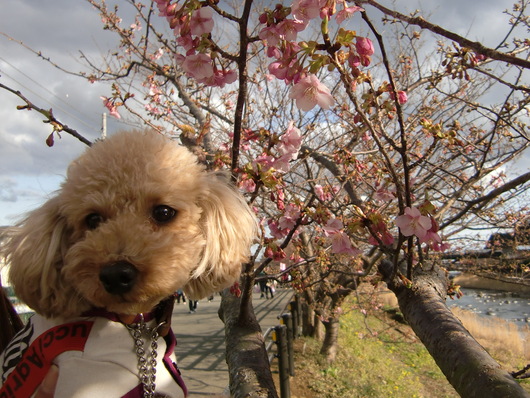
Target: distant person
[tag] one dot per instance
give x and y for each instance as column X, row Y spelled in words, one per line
column 192, row 305
column 180, row 296
column 269, row 289
column 263, row 288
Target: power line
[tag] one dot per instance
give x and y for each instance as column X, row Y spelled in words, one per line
column 54, row 104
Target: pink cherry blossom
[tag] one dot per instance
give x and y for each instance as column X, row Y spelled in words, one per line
column 152, row 109
column 201, row 21
column 364, row 46
column 305, row 10
column 265, row 161
column 276, row 231
column 273, row 52
column 188, row 42
column 319, row 191
column 440, row 247
column 325, row 195
column 384, row 195
column 278, row 70
column 198, row 66
column 168, row 10
column 137, row 25
column 113, row 109
column 432, row 238
column 402, row 97
column 290, row 141
column 347, row 13
column 340, row 242
column 382, row 233
column 290, row 216
column 309, row 92
column 271, row 35
column 220, row 78
column 413, row 223
column 283, row 163
column 225, row 77
column 333, row 226
column 247, row 184
column 163, row 6
column 289, row 28
column 157, row 54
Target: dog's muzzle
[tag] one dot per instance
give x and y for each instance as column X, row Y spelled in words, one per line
column 118, row 278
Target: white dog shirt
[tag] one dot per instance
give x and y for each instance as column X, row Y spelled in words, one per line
column 96, row 356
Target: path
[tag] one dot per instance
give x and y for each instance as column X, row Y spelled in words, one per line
column 200, row 341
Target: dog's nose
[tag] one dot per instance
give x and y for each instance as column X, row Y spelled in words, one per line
column 118, row 278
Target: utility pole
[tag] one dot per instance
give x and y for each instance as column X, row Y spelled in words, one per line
column 104, row 126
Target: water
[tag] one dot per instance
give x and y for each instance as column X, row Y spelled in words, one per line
column 512, row 307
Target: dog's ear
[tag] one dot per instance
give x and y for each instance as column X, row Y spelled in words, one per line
column 229, row 227
column 33, row 251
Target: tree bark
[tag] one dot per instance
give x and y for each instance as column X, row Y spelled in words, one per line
column 318, row 326
column 465, row 363
column 331, row 339
column 246, row 356
column 308, row 319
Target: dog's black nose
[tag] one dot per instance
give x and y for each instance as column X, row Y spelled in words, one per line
column 118, row 278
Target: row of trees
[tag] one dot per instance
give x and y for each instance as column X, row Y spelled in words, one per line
column 362, row 154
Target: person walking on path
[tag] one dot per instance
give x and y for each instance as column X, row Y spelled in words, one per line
column 192, row 305
column 180, row 295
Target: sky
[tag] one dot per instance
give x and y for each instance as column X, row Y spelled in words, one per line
column 61, row 29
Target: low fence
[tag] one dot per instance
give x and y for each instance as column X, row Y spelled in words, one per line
column 280, row 343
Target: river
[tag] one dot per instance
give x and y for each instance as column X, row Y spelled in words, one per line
column 513, row 307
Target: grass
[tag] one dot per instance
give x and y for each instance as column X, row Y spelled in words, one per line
column 380, row 357
column 507, row 343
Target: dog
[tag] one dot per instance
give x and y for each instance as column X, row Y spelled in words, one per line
column 136, row 219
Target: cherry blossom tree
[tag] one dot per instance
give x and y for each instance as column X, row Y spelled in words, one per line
column 364, row 155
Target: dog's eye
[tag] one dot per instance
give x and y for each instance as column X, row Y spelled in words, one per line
column 163, row 214
column 93, row 220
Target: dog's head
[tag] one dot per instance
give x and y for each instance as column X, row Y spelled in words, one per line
column 136, row 218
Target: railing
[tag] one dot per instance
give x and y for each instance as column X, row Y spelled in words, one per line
column 282, row 337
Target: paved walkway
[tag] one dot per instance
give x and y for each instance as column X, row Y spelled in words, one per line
column 200, row 341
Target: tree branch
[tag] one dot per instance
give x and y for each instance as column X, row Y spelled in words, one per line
column 474, row 45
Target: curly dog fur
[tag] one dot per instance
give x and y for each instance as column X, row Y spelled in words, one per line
column 136, row 219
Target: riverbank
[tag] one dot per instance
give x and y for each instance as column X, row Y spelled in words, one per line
column 381, row 357
column 490, row 282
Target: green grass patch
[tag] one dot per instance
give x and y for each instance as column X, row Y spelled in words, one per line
column 378, row 356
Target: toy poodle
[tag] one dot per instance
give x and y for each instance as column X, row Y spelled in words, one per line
column 136, row 219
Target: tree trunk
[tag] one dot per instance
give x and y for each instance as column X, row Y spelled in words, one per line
column 318, row 328
column 247, row 359
column 465, row 363
column 308, row 319
column 331, row 339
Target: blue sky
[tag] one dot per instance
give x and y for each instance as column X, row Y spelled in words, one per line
column 30, row 171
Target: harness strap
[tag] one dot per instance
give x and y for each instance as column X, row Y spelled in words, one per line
column 37, row 359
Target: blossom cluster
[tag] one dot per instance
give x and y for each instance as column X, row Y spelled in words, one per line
column 425, row 227
column 192, row 23
column 297, row 63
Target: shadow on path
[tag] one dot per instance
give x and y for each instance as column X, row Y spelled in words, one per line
column 200, row 347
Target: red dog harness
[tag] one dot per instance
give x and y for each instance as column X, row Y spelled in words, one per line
column 26, row 364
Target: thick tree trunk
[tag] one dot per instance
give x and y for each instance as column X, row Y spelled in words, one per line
column 247, row 359
column 465, row 363
column 307, row 319
column 331, row 339
column 318, row 328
